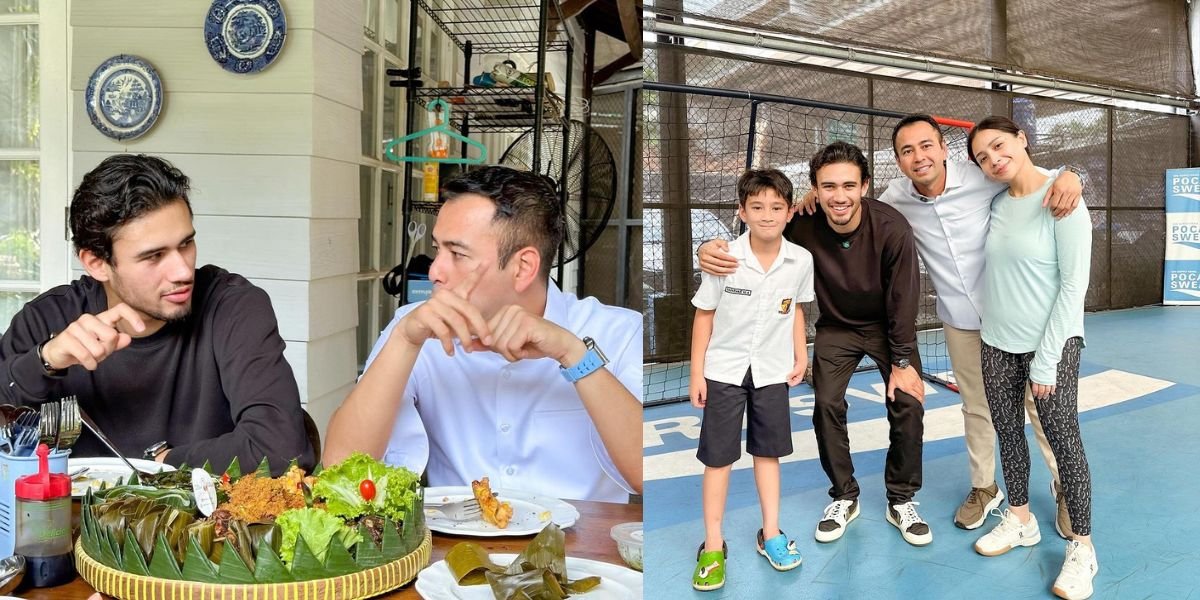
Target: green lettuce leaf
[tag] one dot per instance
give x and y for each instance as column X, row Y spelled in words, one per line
column 338, row 486
column 317, row 527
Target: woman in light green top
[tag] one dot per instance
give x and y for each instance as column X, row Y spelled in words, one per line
column 1035, row 280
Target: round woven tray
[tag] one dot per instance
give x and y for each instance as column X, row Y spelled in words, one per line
column 363, row 584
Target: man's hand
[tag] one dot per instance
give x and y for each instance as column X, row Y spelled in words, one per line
column 1041, row 391
column 715, row 258
column 448, row 315
column 906, row 380
column 1064, row 194
column 519, row 335
column 797, row 375
column 92, row 338
column 698, row 391
column 808, row 204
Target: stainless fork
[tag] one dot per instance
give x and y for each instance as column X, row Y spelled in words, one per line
column 51, row 417
column 70, row 426
column 464, row 510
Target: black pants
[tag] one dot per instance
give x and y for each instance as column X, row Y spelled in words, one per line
column 837, row 353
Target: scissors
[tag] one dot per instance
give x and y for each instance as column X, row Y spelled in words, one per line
column 416, row 232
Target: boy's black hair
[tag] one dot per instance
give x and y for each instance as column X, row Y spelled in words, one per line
column 755, row 181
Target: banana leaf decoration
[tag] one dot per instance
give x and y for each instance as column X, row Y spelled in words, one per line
column 146, row 530
column 538, row 573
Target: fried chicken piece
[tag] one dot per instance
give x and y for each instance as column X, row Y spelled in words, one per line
column 494, row 511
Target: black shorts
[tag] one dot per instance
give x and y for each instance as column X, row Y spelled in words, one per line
column 768, row 422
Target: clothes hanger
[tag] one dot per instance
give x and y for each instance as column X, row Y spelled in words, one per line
column 443, row 126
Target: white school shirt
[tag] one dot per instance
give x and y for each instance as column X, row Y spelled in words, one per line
column 950, row 232
column 755, row 314
column 520, row 424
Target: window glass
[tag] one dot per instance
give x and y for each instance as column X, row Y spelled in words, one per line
column 371, row 19
column 20, row 246
column 371, row 147
column 18, row 86
column 366, row 218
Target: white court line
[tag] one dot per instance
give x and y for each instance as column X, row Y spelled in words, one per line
column 1095, row 391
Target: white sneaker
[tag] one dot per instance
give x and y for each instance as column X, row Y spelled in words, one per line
column 1008, row 534
column 1075, row 580
column 912, row 527
column 838, row 514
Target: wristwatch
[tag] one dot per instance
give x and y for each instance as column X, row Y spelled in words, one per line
column 592, row 361
column 902, row 363
column 46, row 368
column 153, row 450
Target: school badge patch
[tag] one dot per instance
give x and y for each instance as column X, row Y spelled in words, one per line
column 785, row 306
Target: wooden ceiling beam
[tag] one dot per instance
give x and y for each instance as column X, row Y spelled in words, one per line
column 611, row 68
column 631, row 24
column 570, row 8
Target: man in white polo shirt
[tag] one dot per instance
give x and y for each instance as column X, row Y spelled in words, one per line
column 499, row 373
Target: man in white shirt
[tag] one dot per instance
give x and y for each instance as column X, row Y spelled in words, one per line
column 499, row 373
column 948, row 205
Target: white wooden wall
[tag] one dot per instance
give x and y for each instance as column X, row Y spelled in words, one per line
column 272, row 157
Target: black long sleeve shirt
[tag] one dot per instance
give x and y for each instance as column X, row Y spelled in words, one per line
column 214, row 385
column 867, row 277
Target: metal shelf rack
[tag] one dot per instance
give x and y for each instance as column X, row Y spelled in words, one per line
column 492, row 27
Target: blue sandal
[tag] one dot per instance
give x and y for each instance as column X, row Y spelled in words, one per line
column 779, row 551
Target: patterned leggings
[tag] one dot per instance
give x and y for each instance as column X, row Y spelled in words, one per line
column 1005, row 376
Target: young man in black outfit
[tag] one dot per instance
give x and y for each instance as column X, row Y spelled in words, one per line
column 867, row 286
column 173, row 363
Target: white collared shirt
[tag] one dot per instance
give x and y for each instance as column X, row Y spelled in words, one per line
column 950, row 232
column 521, row 424
column 755, row 314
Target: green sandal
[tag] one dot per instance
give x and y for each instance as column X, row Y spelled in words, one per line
column 710, row 569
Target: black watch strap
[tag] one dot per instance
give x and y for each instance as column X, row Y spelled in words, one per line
column 46, row 368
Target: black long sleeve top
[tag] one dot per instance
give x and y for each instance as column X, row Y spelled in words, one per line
column 867, row 277
column 214, row 385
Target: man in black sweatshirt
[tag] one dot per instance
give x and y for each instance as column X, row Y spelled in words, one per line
column 173, row 363
column 867, row 287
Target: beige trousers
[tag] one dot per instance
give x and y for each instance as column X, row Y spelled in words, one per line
column 965, row 348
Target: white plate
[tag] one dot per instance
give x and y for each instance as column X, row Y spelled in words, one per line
column 616, row 582
column 107, row 470
column 531, row 513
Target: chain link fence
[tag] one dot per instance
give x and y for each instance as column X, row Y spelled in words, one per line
column 696, row 144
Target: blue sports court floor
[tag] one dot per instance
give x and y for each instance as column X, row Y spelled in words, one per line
column 1140, row 412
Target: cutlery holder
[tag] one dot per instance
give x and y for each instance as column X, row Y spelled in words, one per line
column 12, row 467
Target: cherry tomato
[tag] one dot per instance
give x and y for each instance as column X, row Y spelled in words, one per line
column 367, row 489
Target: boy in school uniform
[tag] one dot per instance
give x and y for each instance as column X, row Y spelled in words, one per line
column 748, row 346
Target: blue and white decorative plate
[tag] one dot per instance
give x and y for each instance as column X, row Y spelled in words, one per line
column 244, row 36
column 123, row 97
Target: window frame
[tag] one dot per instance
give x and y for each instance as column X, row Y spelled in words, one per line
column 53, row 148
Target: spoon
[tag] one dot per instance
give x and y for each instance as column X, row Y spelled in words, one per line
column 12, row 571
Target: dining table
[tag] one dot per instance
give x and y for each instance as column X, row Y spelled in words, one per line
column 588, row 538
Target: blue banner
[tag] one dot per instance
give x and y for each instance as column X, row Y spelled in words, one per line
column 1181, row 274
